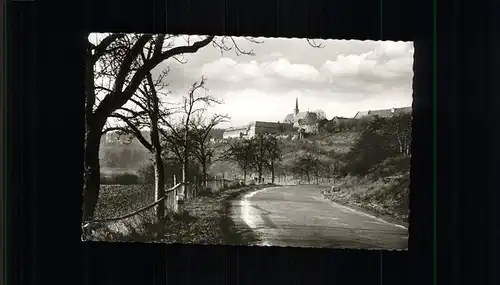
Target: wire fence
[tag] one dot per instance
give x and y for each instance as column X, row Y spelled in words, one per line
column 170, row 200
column 218, row 184
column 193, row 189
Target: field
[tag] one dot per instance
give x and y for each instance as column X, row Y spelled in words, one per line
column 378, row 185
column 117, row 200
column 204, row 220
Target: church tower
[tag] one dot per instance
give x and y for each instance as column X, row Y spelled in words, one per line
column 296, row 106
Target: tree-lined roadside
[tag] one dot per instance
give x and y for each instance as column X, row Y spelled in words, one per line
column 205, row 220
column 125, row 92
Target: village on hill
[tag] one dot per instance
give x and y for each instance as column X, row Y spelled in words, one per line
column 295, row 125
column 298, row 124
column 183, row 145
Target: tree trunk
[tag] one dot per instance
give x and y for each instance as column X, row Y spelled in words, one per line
column 204, row 173
column 260, row 174
column 92, row 175
column 272, row 172
column 244, row 176
column 159, row 171
column 159, row 186
column 185, row 160
column 261, row 158
column 184, row 178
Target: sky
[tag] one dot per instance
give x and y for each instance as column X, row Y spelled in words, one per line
column 341, row 78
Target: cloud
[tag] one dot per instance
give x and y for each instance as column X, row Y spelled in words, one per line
column 230, row 70
column 388, row 64
column 341, row 78
column 388, row 61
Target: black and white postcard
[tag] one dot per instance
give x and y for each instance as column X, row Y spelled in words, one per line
column 247, row 141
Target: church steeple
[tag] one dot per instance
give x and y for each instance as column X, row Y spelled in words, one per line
column 296, row 106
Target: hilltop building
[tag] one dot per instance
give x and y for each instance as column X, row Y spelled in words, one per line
column 113, row 137
column 338, row 120
column 256, row 128
column 304, row 122
column 298, row 122
column 235, row 132
column 384, row 113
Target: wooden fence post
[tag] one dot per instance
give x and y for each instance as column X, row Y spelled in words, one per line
column 161, row 210
column 195, row 185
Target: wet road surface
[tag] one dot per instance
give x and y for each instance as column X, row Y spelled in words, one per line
column 300, row 216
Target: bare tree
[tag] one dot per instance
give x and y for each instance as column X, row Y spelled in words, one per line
column 243, row 153
column 260, row 158
column 114, row 72
column 320, row 114
column 202, row 148
column 401, row 128
column 305, row 165
column 150, row 110
column 192, row 105
column 273, row 154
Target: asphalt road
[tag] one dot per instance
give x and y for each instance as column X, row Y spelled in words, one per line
column 300, row 216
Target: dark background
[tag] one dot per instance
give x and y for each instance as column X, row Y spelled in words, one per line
column 45, row 49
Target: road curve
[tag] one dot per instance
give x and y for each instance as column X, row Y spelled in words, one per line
column 300, row 216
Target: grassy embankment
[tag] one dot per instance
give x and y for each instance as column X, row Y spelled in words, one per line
column 205, row 219
column 384, row 191
column 388, row 199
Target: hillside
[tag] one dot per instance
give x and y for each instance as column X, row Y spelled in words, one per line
column 120, row 157
column 328, row 145
column 368, row 163
column 368, row 166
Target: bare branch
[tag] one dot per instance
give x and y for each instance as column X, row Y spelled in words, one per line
column 100, row 49
column 134, row 114
column 113, row 129
column 102, row 88
column 118, row 98
column 225, row 44
column 158, row 45
column 136, row 49
column 134, row 130
column 180, row 60
column 313, row 43
column 142, row 105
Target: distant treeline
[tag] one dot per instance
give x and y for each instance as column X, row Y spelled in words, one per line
column 337, row 125
column 124, row 154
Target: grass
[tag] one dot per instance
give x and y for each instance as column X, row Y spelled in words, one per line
column 111, row 176
column 204, row 220
column 388, row 199
column 117, row 200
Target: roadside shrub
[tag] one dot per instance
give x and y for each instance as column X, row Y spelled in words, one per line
column 391, row 166
column 233, row 186
column 140, row 228
column 147, row 174
column 400, row 188
column 205, row 192
column 120, row 178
